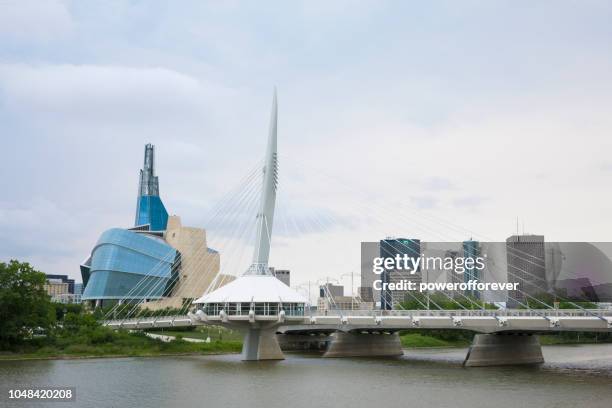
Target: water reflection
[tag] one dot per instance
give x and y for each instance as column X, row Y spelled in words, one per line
column 572, row 376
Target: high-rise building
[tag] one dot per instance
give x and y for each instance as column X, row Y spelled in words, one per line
column 366, row 290
column 471, row 250
column 389, row 248
column 526, row 266
column 56, row 287
column 64, row 279
column 62, row 289
column 453, row 276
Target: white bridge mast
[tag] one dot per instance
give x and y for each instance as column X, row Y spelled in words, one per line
column 265, row 216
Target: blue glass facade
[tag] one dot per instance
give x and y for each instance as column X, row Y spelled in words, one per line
column 150, row 210
column 471, row 249
column 126, row 264
column 389, row 248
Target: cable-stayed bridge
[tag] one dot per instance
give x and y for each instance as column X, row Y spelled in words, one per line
column 482, row 321
column 268, row 311
column 506, row 335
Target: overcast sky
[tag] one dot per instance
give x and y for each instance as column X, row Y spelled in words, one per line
column 392, row 117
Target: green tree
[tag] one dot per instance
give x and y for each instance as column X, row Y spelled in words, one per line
column 25, row 307
column 419, row 301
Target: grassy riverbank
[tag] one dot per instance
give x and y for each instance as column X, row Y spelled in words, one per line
column 414, row 340
column 574, row 338
column 118, row 344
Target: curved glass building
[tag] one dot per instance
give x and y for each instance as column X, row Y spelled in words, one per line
column 136, row 263
column 158, row 262
column 129, row 264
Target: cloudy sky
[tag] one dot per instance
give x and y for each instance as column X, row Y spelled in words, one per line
column 433, row 121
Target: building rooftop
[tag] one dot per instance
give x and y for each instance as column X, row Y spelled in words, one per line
column 254, row 288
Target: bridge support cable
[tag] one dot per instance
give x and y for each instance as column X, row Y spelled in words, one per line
column 239, row 236
column 541, row 289
column 317, row 221
column 196, row 264
column 526, row 257
column 442, row 292
column 134, row 289
column 232, row 245
column 369, row 209
column 236, row 199
column 395, row 213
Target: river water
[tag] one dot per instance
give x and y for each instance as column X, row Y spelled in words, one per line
column 573, row 376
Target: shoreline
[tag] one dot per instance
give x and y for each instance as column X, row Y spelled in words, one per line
column 77, row 357
column 29, row 357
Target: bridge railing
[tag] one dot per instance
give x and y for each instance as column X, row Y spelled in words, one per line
column 418, row 313
column 472, row 313
column 146, row 319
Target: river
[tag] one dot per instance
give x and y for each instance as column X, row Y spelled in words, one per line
column 573, row 376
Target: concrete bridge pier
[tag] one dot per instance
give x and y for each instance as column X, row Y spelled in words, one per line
column 504, row 349
column 303, row 342
column 261, row 344
column 364, row 345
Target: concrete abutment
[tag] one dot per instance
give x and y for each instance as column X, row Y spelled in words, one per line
column 261, row 344
column 364, row 345
column 504, row 349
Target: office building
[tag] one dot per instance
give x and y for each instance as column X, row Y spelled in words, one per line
column 325, row 304
column 56, row 287
column 366, row 290
column 283, row 275
column 527, row 267
column 63, row 279
column 389, row 248
column 471, row 250
column 331, row 290
column 366, row 293
column 331, row 297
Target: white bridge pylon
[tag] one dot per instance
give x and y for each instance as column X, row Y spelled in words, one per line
column 257, row 302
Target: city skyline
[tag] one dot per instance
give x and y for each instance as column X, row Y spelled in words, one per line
column 490, row 138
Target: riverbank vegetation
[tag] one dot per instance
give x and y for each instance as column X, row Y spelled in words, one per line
column 436, row 338
column 463, row 338
column 81, row 335
column 416, row 340
column 31, row 326
column 439, row 301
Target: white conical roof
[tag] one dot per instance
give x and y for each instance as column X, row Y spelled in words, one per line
column 254, row 288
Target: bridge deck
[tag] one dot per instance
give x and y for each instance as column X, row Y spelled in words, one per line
column 483, row 321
